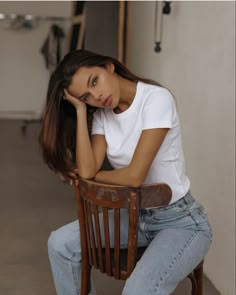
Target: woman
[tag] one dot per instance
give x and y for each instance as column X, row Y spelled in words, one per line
column 136, row 124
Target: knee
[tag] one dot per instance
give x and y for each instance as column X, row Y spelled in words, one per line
column 65, row 244
column 55, row 243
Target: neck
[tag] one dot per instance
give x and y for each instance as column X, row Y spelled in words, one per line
column 127, row 94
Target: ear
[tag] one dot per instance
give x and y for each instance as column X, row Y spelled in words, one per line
column 110, row 67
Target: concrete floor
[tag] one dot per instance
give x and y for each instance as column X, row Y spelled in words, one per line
column 33, row 203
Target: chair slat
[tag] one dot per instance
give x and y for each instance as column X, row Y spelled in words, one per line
column 87, row 232
column 107, row 240
column 98, row 238
column 91, row 231
column 85, row 266
column 133, row 232
column 117, row 243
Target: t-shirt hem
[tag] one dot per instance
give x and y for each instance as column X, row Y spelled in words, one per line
column 160, row 125
column 100, row 132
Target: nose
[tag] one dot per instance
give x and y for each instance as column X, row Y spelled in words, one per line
column 96, row 94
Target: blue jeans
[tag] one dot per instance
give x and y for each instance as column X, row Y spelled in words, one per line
column 178, row 237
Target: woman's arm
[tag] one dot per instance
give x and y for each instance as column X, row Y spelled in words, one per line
column 85, row 159
column 89, row 156
column 144, row 154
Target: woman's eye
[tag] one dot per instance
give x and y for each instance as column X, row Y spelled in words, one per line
column 94, row 82
column 85, row 97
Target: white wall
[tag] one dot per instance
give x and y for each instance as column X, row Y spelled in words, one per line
column 197, row 64
column 23, row 75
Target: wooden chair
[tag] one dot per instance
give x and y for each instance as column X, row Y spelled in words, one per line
column 92, row 198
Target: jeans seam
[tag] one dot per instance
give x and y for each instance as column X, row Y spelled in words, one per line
column 174, row 261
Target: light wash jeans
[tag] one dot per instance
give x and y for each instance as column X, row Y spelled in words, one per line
column 178, row 235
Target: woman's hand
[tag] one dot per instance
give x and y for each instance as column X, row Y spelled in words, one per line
column 78, row 104
column 72, row 179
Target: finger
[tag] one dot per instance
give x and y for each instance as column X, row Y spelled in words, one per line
column 68, row 95
column 74, row 172
column 73, row 175
column 76, row 182
column 66, row 92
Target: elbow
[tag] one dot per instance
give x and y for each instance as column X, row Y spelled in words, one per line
column 135, row 184
column 136, row 178
column 136, row 181
column 87, row 174
column 86, row 171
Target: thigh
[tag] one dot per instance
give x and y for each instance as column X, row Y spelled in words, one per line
column 180, row 236
column 66, row 241
column 169, row 258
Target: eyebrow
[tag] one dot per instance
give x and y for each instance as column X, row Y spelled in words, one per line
column 88, row 82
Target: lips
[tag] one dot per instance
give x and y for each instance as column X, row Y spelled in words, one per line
column 108, row 101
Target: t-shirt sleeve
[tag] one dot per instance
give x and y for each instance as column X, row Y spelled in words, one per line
column 159, row 110
column 97, row 125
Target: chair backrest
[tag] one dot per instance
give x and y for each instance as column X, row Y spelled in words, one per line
column 94, row 198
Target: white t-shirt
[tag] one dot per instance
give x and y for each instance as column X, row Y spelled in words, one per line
column 152, row 107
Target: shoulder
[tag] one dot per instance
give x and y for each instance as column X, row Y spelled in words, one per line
column 150, row 90
column 157, row 95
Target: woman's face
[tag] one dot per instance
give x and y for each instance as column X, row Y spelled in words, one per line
column 96, row 86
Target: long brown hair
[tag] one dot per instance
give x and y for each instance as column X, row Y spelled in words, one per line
column 58, row 129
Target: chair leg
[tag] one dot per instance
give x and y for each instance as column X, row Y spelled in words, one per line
column 193, row 283
column 198, row 275
column 85, row 279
